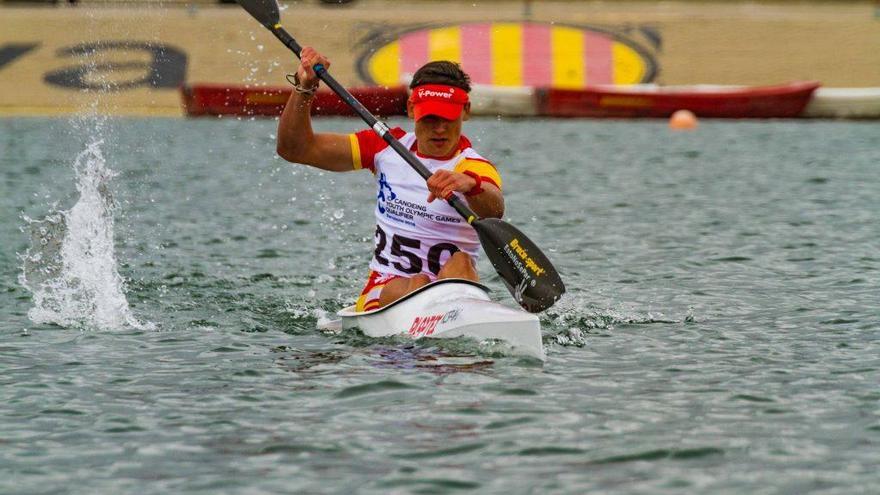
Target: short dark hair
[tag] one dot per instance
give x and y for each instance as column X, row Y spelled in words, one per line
column 442, row 72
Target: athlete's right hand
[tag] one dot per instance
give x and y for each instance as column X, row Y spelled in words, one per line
column 308, row 58
column 443, row 183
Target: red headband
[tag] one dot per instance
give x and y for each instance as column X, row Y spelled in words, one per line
column 438, row 99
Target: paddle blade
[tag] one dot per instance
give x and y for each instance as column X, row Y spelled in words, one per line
column 265, row 11
column 525, row 270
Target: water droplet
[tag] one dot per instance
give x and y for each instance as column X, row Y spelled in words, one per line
column 338, row 214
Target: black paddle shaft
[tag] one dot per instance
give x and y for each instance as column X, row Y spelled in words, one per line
column 378, row 127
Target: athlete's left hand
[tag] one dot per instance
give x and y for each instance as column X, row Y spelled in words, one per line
column 445, row 182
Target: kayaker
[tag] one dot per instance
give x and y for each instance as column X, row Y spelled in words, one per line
column 419, row 237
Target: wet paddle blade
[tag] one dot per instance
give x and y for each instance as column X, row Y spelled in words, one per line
column 526, row 271
column 265, row 11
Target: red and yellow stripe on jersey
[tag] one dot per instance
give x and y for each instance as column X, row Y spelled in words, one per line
column 484, row 169
column 366, row 144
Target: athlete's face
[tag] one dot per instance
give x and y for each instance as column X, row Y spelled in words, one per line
column 437, row 136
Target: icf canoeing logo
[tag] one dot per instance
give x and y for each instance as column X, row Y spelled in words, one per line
column 516, row 53
column 382, row 199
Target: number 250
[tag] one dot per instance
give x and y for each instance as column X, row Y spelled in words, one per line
column 414, row 262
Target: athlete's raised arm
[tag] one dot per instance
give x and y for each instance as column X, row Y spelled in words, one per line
column 297, row 142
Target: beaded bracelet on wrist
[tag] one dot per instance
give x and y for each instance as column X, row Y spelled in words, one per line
column 298, row 87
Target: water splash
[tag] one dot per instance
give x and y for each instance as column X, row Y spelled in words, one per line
column 573, row 320
column 70, row 267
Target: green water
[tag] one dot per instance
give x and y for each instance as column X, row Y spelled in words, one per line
column 720, row 333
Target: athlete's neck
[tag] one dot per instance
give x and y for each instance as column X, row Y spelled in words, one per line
column 424, row 150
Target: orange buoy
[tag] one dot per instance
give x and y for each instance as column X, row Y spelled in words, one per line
column 683, row 120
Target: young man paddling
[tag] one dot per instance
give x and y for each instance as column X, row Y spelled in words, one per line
column 419, row 237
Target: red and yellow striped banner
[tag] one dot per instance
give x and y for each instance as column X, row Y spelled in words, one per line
column 514, row 54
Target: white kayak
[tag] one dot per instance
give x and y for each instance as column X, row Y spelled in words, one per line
column 446, row 309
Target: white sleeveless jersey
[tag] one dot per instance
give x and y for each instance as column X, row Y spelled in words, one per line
column 413, row 236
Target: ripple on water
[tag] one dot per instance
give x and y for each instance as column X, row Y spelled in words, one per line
column 442, row 452
column 662, row 454
column 430, row 485
column 378, row 387
column 551, row 450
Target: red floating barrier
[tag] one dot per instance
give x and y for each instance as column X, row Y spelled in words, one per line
column 736, row 102
column 222, row 99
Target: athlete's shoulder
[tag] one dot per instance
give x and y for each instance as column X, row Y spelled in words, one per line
column 473, row 162
column 369, row 138
column 366, row 144
column 467, row 152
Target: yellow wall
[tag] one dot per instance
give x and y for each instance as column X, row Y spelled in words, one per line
column 701, row 43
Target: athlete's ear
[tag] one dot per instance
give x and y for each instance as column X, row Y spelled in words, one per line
column 466, row 111
column 409, row 109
